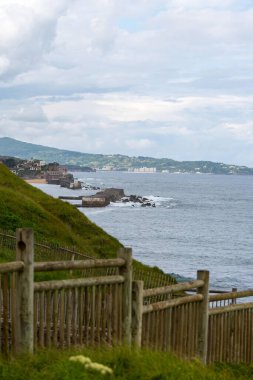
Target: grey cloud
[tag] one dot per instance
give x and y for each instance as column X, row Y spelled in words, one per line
column 183, row 53
column 28, row 32
column 23, row 112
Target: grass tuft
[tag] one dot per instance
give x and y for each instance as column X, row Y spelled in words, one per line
column 126, row 364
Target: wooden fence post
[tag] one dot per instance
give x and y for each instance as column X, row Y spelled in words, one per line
column 203, row 316
column 137, row 309
column 25, row 306
column 234, row 299
column 126, row 272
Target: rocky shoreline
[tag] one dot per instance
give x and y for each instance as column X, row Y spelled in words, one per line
column 105, row 197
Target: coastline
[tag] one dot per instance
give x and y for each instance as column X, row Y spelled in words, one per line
column 36, row 180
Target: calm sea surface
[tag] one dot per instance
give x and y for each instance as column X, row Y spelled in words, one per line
column 199, row 222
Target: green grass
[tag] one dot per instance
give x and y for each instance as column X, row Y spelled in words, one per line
column 58, row 223
column 126, row 365
column 22, row 205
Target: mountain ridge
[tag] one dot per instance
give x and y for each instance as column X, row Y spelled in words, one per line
column 24, row 150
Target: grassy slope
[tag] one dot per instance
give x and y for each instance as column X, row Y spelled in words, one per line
column 126, row 365
column 21, row 205
column 55, row 221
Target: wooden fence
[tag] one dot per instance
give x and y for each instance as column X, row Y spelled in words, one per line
column 9, row 275
column 114, row 309
column 213, row 327
column 45, row 251
column 67, row 312
column 230, row 335
column 178, row 324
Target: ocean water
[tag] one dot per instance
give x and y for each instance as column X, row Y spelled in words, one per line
column 199, row 222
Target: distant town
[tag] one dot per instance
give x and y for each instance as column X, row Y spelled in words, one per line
column 40, row 171
column 77, row 161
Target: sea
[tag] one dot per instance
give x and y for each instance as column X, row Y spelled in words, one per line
column 201, row 221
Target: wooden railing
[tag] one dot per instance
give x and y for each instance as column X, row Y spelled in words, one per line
column 9, row 307
column 66, row 312
column 174, row 324
column 45, row 251
column 113, row 309
column 230, row 335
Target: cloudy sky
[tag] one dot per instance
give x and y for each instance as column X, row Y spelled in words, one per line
column 162, row 78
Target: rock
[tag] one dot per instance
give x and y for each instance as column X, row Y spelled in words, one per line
column 138, row 199
column 86, row 186
column 112, row 194
column 94, row 201
column 146, row 204
column 104, row 197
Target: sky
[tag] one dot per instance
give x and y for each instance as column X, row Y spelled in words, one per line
column 160, row 78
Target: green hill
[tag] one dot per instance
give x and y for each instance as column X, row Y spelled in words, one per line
column 22, row 205
column 15, row 148
column 59, row 223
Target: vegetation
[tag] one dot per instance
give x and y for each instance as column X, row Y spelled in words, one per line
column 60, row 224
column 11, row 147
column 21, row 205
column 125, row 364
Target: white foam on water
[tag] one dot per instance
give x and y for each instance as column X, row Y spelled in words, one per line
column 125, row 204
column 167, row 202
column 93, row 211
column 157, row 198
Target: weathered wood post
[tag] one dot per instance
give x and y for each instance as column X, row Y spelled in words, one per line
column 126, row 272
column 137, row 312
column 25, row 253
column 203, row 316
column 234, row 299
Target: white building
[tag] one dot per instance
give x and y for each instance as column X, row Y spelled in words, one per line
column 144, row 170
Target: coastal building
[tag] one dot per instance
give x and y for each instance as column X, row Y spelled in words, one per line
column 55, row 173
column 107, row 168
column 144, row 170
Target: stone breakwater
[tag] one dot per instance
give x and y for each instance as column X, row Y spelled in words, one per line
column 105, row 197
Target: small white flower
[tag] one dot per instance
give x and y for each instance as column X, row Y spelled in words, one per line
column 80, row 358
column 99, row 367
column 88, row 364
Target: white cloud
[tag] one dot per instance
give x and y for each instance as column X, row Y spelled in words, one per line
column 150, row 77
column 199, row 4
column 4, row 64
column 139, row 144
column 27, row 31
column 242, row 131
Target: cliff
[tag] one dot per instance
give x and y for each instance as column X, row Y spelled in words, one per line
column 22, row 205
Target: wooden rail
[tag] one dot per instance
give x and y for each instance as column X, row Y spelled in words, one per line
column 231, row 295
column 231, row 308
column 67, row 284
column 81, row 264
column 15, row 266
column 183, row 286
column 171, row 303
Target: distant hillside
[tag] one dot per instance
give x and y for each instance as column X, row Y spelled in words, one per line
column 11, row 147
